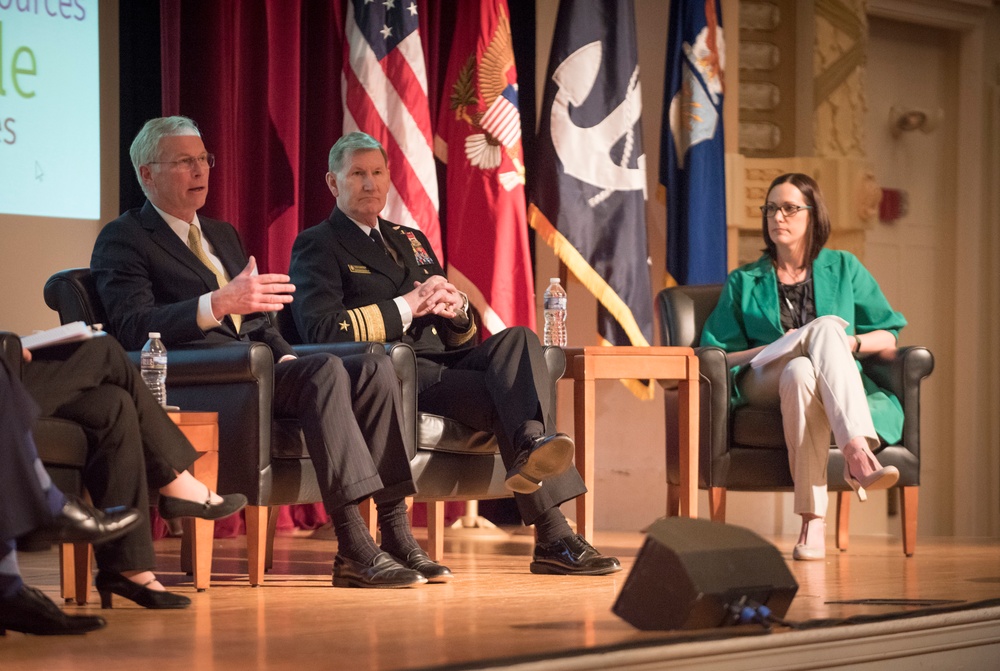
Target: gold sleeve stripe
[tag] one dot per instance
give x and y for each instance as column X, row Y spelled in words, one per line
column 368, row 324
column 356, row 325
column 456, row 339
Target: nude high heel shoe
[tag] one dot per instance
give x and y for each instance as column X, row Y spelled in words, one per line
column 881, row 477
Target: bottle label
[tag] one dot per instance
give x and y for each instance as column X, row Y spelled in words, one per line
column 555, row 303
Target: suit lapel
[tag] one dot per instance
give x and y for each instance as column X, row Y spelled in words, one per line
column 164, row 237
column 825, row 282
column 231, row 256
column 765, row 294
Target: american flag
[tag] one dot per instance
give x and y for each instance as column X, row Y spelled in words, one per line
column 385, row 95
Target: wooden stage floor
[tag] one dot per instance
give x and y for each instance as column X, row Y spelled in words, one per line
column 496, row 614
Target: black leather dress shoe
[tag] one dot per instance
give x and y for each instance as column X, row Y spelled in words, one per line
column 417, row 560
column 382, row 572
column 171, row 508
column 31, row 612
column 572, row 555
column 546, row 457
column 80, row 522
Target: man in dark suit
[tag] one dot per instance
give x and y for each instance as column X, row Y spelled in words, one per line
column 360, row 277
column 30, row 503
column 163, row 268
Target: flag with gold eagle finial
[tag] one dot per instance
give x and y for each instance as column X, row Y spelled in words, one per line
column 478, row 137
column 692, row 152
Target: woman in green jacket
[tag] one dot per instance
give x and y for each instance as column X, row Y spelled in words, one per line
column 815, row 380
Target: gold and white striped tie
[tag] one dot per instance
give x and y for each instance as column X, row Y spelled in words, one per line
column 194, row 242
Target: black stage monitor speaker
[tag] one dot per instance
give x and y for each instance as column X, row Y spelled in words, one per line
column 694, row 574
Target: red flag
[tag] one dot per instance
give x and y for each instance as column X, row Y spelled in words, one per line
column 479, row 138
column 385, row 95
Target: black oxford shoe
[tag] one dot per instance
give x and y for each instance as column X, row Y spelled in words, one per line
column 31, row 612
column 383, row 572
column 417, row 560
column 546, row 457
column 572, row 555
column 80, row 522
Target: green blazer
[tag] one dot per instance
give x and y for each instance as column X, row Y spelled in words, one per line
column 748, row 315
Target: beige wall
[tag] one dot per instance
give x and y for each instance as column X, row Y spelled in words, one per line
column 33, row 248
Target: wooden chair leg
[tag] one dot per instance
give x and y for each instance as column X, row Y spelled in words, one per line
column 67, row 572
column 717, row 504
column 673, row 500
column 81, row 571
column 435, row 530
column 908, row 505
column 843, row 519
column 272, row 527
column 256, row 517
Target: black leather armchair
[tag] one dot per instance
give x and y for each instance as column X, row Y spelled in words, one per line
column 266, row 459
column 62, row 447
column 260, row 457
column 744, row 449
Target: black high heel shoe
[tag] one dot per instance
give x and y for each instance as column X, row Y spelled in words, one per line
column 171, row 508
column 115, row 583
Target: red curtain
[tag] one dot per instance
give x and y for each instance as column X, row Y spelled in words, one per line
column 262, row 79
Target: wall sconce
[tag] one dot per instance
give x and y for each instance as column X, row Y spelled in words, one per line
column 903, row 120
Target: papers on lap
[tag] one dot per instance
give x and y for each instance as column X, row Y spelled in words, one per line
column 60, row 335
column 787, row 342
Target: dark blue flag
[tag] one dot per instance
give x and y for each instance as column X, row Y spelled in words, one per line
column 692, row 158
column 589, row 188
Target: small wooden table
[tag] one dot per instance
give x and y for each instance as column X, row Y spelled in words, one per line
column 585, row 365
column 202, row 429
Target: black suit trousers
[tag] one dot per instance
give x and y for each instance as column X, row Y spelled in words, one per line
column 23, row 505
column 348, row 409
column 133, row 444
column 503, row 386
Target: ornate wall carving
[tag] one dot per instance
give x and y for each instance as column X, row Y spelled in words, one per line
column 838, row 77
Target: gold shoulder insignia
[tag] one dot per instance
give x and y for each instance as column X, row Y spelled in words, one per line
column 363, row 270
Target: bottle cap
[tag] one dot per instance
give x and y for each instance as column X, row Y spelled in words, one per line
column 553, row 280
column 154, row 335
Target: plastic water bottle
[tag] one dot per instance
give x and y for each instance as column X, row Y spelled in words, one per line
column 555, row 314
column 153, row 363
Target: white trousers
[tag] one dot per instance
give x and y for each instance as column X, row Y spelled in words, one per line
column 818, row 389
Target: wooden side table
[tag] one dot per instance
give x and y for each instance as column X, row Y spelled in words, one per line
column 585, row 365
column 202, row 429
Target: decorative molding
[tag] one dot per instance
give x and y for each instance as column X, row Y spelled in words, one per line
column 838, row 70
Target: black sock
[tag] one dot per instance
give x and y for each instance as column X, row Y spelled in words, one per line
column 10, row 575
column 551, row 526
column 397, row 538
column 353, row 539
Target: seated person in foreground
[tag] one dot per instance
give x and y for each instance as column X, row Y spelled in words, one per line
column 163, row 268
column 818, row 386
column 132, row 446
column 31, row 504
column 360, row 278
